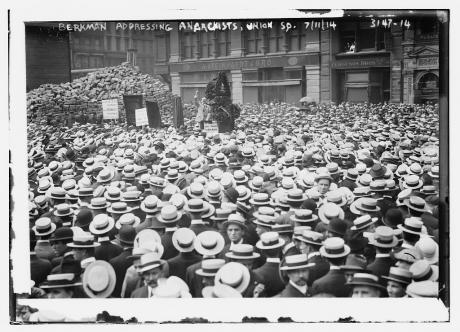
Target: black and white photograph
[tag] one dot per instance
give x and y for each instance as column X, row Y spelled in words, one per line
column 295, row 161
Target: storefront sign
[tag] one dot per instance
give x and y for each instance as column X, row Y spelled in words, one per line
column 211, row 128
column 361, row 63
column 141, row 117
column 246, row 63
column 428, row 62
column 110, row 109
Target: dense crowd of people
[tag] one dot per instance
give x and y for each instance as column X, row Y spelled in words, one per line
column 338, row 201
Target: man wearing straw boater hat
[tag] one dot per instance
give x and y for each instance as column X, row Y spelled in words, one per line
column 235, row 228
column 169, row 217
column 364, row 285
column 150, row 267
column 335, row 251
column 209, row 245
column 297, row 269
column 101, row 226
column 61, row 285
column 183, row 240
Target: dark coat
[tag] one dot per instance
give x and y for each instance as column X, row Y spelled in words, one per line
column 270, row 277
column 253, row 281
column 381, row 267
column 193, row 280
column 141, row 292
column 332, row 283
column 320, row 269
column 120, row 264
column 178, row 265
column 39, row 269
column 291, row 291
column 169, row 250
column 200, row 228
column 106, row 251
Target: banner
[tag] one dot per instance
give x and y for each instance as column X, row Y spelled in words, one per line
column 110, row 109
column 141, row 117
column 211, row 128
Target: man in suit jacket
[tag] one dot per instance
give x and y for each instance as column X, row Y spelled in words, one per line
column 101, row 226
column 270, row 244
column 309, row 243
column 122, row 262
column 183, row 240
column 335, row 251
column 297, row 268
column 151, row 268
column 58, row 242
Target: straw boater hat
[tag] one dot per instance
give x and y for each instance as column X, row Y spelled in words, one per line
column 296, row 262
column 99, row 203
column 105, row 175
column 383, row 237
column 256, row 183
column 127, row 219
column 265, row 216
column 209, row 243
column 416, row 203
column 334, row 247
column 183, row 240
column 119, row 208
column 57, row 193
column 260, row 199
column 235, row 219
column 422, row 270
column 362, row 222
column 196, row 190
column 61, row 280
column 412, row 181
column 429, row 249
column 149, row 261
column 366, row 279
column 43, row 226
column 303, row 216
column 157, row 182
column 310, row 237
column 209, row 267
column 242, row 252
column 270, row 240
column 99, row 279
column 426, row 288
column 412, row 225
column 112, row 194
column 83, row 240
column 197, row 205
column 169, row 215
column 399, row 275
column 101, row 224
column 244, row 193
column 147, row 238
column 63, row 210
column 327, row 211
column 221, row 214
column 235, row 275
column 364, row 205
column 150, row 204
column 336, row 197
column 240, row 177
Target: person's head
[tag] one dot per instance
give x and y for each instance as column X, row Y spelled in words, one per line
column 299, row 277
column 396, row 289
column 60, row 247
column 262, row 229
column 151, row 276
column 365, row 291
column 207, row 281
column 323, row 186
column 80, row 254
column 60, row 293
column 235, row 232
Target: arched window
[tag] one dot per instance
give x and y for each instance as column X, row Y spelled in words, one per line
column 428, row 81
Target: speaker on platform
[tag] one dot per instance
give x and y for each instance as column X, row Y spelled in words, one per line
column 153, row 114
column 132, row 102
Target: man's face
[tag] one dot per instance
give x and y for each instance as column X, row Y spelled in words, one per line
column 79, row 254
column 365, row 291
column 395, row 289
column 59, row 248
column 349, row 275
column 235, row 233
column 151, row 276
column 299, row 277
column 59, row 293
column 323, row 186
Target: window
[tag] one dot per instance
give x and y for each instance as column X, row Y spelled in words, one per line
column 296, row 38
column 118, row 43
column 223, row 43
column 206, row 44
column 275, row 39
column 366, row 38
column 253, row 41
column 189, row 45
column 348, row 40
column 428, row 81
column 161, row 48
column 271, row 74
column 250, row 76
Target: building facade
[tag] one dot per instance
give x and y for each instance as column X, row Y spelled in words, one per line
column 361, row 60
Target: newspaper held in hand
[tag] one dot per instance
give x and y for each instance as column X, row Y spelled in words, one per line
column 141, row 117
column 110, row 109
